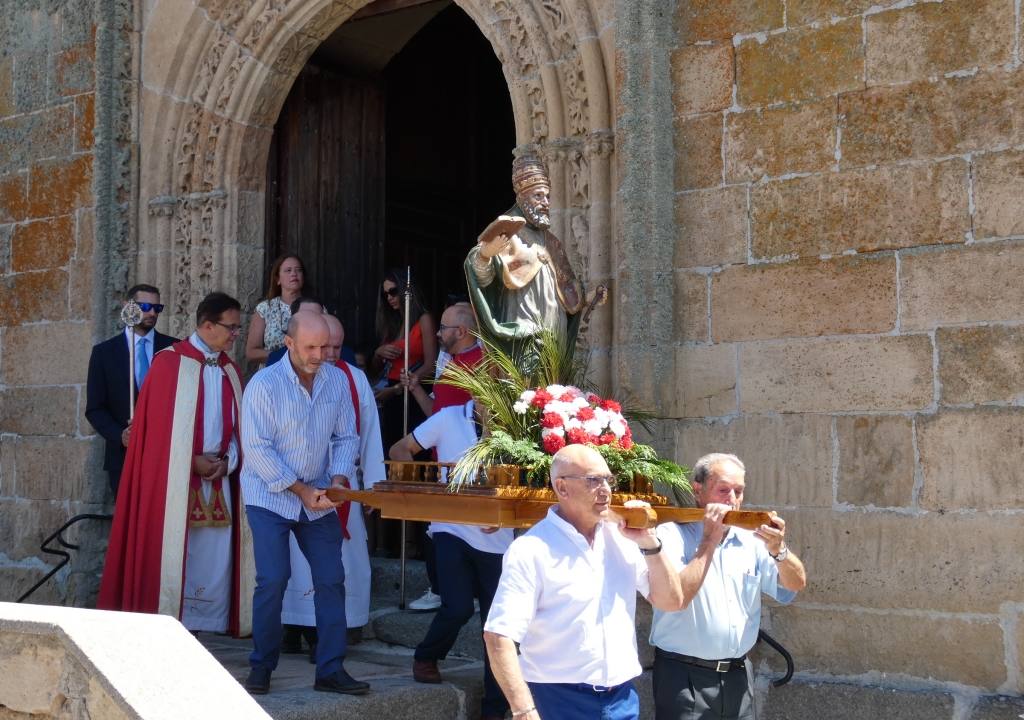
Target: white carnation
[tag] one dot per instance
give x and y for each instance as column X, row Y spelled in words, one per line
column 521, row 407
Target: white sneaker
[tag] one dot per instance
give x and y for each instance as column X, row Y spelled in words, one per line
column 426, row 603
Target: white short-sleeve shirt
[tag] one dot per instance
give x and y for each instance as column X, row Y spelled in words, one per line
column 451, row 431
column 570, row 605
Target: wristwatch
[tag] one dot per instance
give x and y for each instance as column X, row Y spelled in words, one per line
column 653, row 550
column 782, row 555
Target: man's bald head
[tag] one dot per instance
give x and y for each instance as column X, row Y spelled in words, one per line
column 580, row 503
column 337, row 338
column 458, row 323
column 307, row 339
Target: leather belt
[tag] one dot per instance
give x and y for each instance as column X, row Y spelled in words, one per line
column 721, row 666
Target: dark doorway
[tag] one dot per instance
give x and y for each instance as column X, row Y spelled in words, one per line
column 393, row 147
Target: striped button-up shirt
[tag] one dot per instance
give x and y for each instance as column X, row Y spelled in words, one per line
column 288, row 436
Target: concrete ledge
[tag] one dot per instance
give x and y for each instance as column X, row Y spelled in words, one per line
column 70, row 662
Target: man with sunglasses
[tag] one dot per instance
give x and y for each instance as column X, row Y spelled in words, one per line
column 107, row 402
column 567, row 595
column 176, row 546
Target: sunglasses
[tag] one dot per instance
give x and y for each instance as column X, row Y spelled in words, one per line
column 155, row 307
column 390, row 292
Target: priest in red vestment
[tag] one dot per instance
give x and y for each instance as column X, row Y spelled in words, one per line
column 180, row 545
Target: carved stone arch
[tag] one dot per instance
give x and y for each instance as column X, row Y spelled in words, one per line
column 215, row 73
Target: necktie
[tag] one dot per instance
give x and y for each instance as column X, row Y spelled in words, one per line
column 141, row 361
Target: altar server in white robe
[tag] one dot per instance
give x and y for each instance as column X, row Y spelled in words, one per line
column 298, row 598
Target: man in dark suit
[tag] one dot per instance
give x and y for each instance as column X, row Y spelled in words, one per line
column 106, row 405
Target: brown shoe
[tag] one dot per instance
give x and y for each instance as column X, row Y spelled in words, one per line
column 425, row 671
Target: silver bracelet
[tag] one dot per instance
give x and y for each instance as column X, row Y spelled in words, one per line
column 527, row 711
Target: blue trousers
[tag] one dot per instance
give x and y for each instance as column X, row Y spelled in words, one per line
column 463, row 572
column 571, row 701
column 320, row 542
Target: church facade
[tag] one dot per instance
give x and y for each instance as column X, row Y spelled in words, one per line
column 808, row 213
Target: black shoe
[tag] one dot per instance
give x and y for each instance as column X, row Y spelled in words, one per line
column 291, row 640
column 341, row 682
column 258, row 682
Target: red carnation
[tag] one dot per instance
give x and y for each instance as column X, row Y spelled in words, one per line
column 606, row 439
column 593, row 399
column 553, row 443
column 551, row 420
column 584, row 414
column 541, row 398
column 611, row 406
column 625, row 442
column 567, row 397
column 579, row 436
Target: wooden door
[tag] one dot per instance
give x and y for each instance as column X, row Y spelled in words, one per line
column 325, row 192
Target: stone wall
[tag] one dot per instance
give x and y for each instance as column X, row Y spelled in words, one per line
column 62, row 179
column 848, row 246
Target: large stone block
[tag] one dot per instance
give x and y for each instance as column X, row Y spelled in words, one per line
column 893, row 560
column 953, row 116
column 33, row 296
column 998, row 708
column 705, row 381
column 780, row 140
column 13, row 197
column 32, row 354
column 827, row 375
column 972, row 459
column 59, row 469
column 805, row 700
column 801, row 12
column 961, row 285
column 60, row 186
column 712, row 227
column 30, row 137
column 76, row 70
column 862, row 210
column 33, row 667
column 39, row 410
column 702, row 77
column 998, row 188
column 852, row 642
column 876, row 460
column 930, row 39
column 691, row 307
column 698, row 152
column 26, row 524
column 788, row 457
column 43, row 244
column 812, row 62
column 713, row 19
column 980, row 364
column 835, row 297
column 642, row 373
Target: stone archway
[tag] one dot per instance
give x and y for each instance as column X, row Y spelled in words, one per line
column 214, row 74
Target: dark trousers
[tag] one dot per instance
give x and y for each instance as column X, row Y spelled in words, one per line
column 687, row 692
column 320, row 542
column 572, row 701
column 463, row 573
column 429, row 557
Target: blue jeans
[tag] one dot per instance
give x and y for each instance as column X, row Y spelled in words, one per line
column 463, row 572
column 571, row 701
column 320, row 542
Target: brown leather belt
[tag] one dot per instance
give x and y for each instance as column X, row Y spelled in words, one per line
column 721, row 666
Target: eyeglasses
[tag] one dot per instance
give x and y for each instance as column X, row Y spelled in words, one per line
column 441, row 327
column 390, row 292
column 155, row 307
column 233, row 329
column 593, row 481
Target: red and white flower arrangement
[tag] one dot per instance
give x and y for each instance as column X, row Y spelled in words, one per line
column 568, row 416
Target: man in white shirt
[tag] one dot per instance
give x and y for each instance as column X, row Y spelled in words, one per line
column 700, row 665
column 468, row 557
column 568, row 596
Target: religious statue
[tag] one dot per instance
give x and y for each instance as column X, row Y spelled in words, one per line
column 519, row 277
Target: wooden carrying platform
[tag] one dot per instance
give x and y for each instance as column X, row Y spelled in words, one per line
column 504, row 505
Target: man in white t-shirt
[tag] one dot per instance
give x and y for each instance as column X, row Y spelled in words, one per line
column 568, row 596
column 468, row 556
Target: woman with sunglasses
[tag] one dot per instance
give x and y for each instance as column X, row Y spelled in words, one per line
column 270, row 321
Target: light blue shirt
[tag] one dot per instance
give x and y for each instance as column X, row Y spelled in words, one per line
column 288, row 435
column 723, row 619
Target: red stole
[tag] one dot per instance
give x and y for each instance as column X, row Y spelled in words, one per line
column 346, row 507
